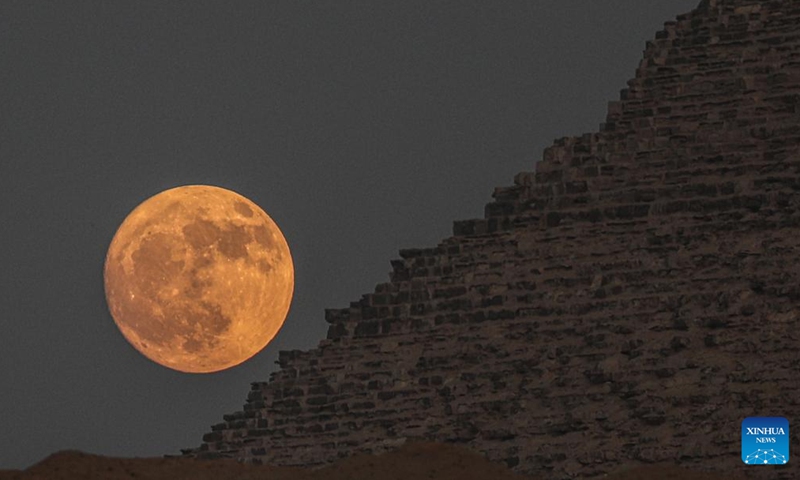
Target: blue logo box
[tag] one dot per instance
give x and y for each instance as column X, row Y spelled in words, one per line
column 765, row 440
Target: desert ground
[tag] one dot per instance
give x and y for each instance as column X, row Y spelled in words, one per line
column 411, row 462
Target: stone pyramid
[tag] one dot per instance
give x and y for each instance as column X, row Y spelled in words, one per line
column 631, row 301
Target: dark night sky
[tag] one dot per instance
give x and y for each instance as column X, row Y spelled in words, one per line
column 360, row 127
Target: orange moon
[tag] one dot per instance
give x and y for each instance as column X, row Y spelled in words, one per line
column 199, row 278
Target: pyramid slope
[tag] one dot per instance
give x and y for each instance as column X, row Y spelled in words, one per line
column 630, row 301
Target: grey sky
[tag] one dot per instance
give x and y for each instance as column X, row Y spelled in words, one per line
column 360, row 127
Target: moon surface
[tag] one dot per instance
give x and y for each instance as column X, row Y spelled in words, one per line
column 199, row 278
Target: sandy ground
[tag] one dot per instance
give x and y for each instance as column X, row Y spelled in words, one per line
column 411, row 462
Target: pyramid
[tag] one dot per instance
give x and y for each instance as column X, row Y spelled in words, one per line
column 629, row 302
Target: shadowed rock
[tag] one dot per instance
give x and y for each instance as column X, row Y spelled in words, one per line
column 414, row 461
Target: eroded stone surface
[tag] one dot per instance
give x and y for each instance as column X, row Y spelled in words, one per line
column 629, row 302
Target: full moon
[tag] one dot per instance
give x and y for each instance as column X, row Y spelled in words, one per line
column 198, row 278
